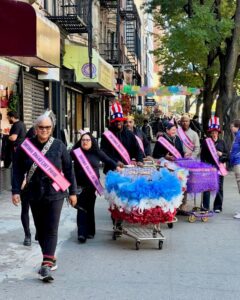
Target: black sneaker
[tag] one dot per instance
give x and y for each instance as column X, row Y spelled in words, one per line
column 45, row 274
column 82, row 239
column 27, row 241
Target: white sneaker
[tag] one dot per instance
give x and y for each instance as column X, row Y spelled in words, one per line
column 237, row 216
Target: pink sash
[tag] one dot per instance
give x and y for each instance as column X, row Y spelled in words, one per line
column 185, row 139
column 169, row 147
column 213, row 152
column 88, row 169
column 118, row 146
column 60, row 182
column 140, row 143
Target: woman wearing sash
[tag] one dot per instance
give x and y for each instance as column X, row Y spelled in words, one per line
column 87, row 187
column 46, row 186
column 206, row 156
column 171, row 137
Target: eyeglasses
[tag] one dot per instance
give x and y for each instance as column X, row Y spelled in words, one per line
column 44, row 127
column 86, row 140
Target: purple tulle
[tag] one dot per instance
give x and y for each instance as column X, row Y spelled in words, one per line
column 202, row 177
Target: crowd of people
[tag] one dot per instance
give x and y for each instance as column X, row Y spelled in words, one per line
column 44, row 173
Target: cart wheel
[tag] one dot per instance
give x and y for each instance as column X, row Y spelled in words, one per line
column 204, row 219
column 192, row 219
column 137, row 245
column 170, row 225
column 160, row 245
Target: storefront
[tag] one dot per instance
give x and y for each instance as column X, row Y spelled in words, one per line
column 26, row 36
column 101, row 84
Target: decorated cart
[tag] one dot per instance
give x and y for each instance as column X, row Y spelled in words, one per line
column 143, row 198
column 202, row 177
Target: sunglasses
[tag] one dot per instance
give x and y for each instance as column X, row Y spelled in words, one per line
column 44, row 127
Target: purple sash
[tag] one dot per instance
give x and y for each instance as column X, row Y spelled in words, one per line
column 118, row 146
column 169, row 147
column 214, row 154
column 140, row 143
column 88, row 169
column 60, row 182
column 185, row 139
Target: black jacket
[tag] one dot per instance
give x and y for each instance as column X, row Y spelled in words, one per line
column 143, row 137
column 206, row 155
column 128, row 140
column 160, row 151
column 94, row 157
column 40, row 184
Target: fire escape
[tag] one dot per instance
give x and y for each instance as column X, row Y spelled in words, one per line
column 72, row 16
column 121, row 46
column 75, row 17
column 132, row 26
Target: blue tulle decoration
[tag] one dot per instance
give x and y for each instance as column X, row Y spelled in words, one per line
column 164, row 184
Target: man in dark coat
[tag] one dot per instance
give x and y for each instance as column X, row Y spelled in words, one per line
column 125, row 136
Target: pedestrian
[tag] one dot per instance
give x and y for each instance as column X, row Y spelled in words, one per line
column 49, row 171
column 87, row 187
column 16, row 136
column 191, row 149
column 235, row 155
column 147, row 129
column 165, row 150
column 120, row 144
column 144, row 143
column 189, row 138
column 208, row 157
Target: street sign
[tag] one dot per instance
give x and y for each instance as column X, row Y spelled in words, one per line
column 150, row 102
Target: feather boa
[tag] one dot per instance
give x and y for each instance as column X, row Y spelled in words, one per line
column 137, row 197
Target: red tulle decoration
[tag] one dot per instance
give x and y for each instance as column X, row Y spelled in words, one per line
column 148, row 216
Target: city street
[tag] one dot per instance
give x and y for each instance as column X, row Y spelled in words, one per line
column 198, row 261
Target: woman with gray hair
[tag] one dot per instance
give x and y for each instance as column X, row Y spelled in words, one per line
column 48, row 166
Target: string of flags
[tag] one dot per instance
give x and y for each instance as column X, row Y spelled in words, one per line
column 134, row 90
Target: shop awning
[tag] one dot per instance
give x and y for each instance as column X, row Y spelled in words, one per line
column 76, row 57
column 27, row 36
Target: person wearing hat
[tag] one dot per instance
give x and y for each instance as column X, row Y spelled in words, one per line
column 206, row 156
column 170, row 135
column 130, row 124
column 235, row 155
column 126, row 141
column 124, row 136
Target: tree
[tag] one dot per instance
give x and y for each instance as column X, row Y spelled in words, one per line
column 196, row 45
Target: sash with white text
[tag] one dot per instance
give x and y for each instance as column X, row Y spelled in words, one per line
column 185, row 139
column 140, row 143
column 214, row 154
column 118, row 146
column 169, row 147
column 88, row 169
column 59, row 181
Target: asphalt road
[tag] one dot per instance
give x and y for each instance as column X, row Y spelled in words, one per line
column 198, row 260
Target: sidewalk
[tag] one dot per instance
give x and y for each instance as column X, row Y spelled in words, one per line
column 198, row 260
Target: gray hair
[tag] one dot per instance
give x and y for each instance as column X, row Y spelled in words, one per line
column 40, row 119
column 47, row 115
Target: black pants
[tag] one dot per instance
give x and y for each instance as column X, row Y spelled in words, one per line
column 218, row 199
column 85, row 212
column 46, row 216
column 25, row 216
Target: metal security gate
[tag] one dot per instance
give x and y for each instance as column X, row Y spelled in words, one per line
column 33, row 99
